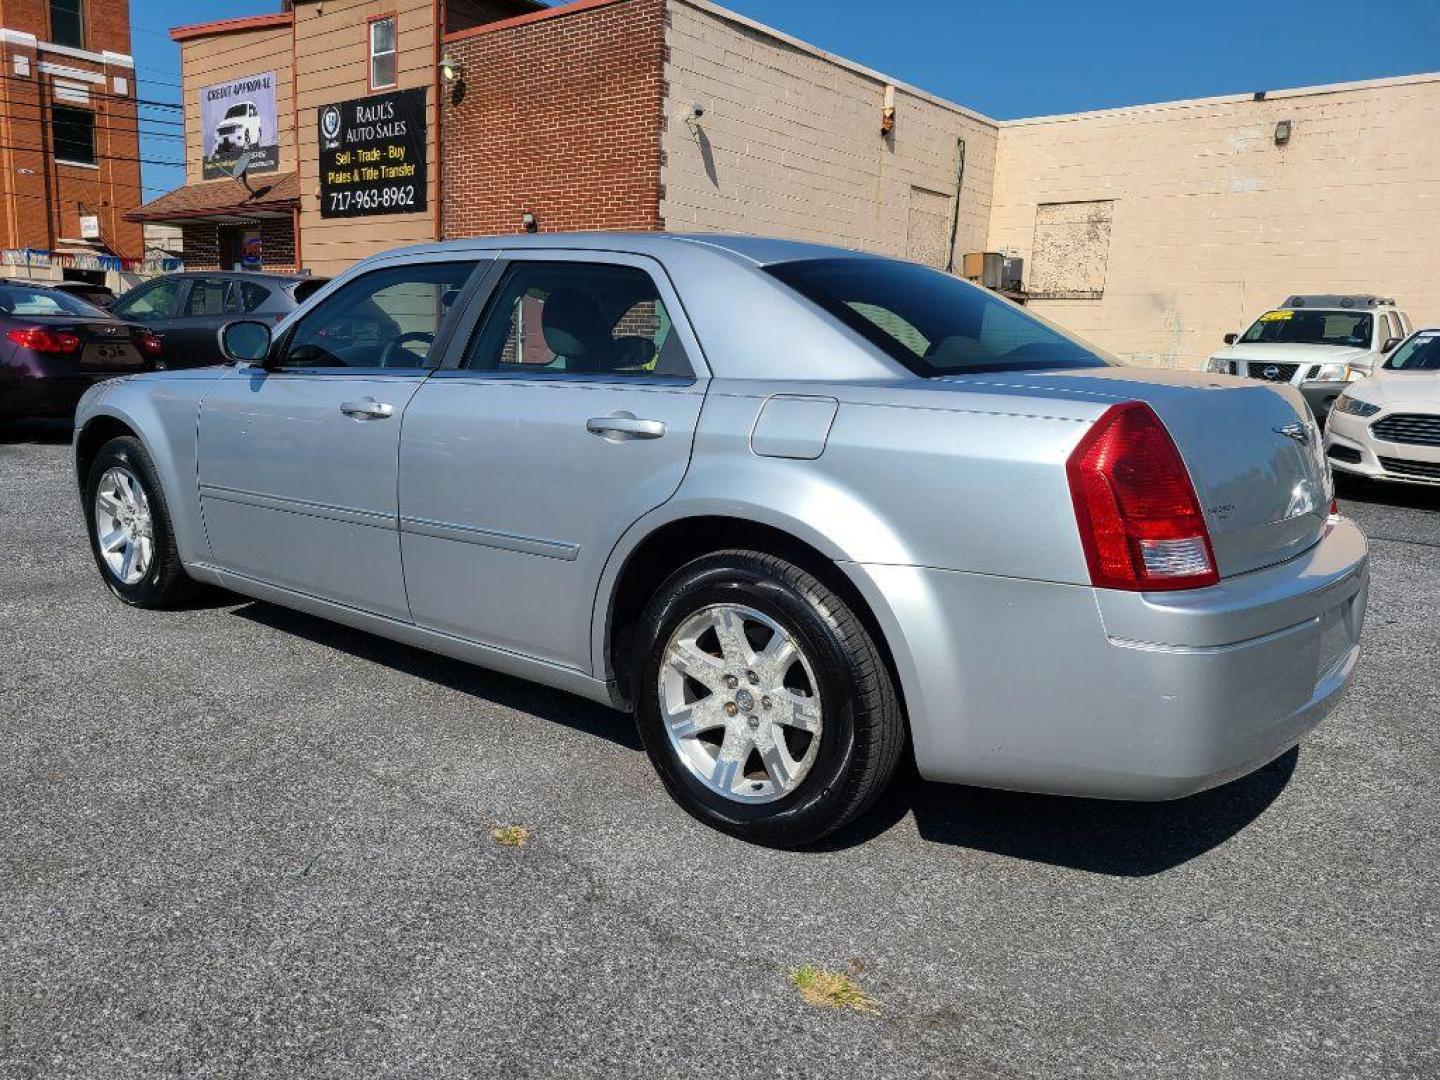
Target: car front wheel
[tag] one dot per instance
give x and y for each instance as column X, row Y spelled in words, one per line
column 763, row 701
column 129, row 524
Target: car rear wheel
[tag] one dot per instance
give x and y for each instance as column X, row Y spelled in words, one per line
column 129, row 524
column 762, row 700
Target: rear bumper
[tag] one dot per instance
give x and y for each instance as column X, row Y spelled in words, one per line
column 1044, row 687
column 31, row 396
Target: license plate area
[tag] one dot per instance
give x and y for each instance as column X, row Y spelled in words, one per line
column 109, row 355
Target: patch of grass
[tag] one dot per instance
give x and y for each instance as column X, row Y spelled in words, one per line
column 510, row 835
column 831, row 990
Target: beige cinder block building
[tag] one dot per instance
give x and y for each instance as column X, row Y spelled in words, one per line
column 1152, row 230
column 793, row 143
column 1156, row 229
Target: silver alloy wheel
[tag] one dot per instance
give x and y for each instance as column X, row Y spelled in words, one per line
column 124, row 527
column 740, row 703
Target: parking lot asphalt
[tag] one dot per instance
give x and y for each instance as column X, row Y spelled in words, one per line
column 239, row 841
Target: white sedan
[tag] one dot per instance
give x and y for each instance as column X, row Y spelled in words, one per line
column 1387, row 427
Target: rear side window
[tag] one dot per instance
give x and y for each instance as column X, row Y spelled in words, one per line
column 211, row 296
column 584, row 319
column 932, row 323
column 252, row 295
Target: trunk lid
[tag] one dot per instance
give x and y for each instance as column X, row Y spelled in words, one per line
column 1253, row 451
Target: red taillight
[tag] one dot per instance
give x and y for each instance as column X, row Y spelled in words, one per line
column 1140, row 523
column 38, row 339
column 148, row 343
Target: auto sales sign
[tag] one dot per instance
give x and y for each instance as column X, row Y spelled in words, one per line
column 372, row 155
column 238, row 117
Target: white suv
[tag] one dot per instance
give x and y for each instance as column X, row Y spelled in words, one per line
column 1315, row 343
column 239, row 128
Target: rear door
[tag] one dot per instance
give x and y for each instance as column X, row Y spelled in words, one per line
column 566, row 414
column 298, row 462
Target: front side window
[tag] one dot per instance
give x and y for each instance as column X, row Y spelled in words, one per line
column 931, row 322
column 1294, row 326
column 383, row 319
column 158, row 301
column 589, row 319
column 67, row 23
column 72, row 134
column 382, row 53
column 1420, row 353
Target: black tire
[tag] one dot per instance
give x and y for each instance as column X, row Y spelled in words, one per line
column 165, row 584
column 863, row 732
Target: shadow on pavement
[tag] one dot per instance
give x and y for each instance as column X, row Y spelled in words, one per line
column 39, row 432
column 1379, row 493
column 554, row 705
column 1123, row 839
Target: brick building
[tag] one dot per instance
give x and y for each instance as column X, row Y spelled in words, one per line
column 1153, row 230
column 69, row 142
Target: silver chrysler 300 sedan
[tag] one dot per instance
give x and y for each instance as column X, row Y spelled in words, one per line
column 793, row 506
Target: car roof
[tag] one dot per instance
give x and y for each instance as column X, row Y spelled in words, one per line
column 1338, row 301
column 758, row 250
column 242, row 275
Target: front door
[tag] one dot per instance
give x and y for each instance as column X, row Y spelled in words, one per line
column 298, row 461
column 567, row 415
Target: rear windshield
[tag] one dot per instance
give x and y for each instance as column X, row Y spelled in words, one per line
column 1350, row 328
column 21, row 300
column 932, row 323
column 1420, row 353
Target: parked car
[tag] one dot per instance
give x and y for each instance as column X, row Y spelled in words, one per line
column 102, row 296
column 1316, row 344
column 187, row 310
column 1388, row 426
column 792, row 505
column 238, row 129
column 55, row 346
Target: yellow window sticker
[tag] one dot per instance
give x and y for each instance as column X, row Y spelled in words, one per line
column 1277, row 316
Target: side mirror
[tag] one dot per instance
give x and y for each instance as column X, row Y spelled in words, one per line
column 1390, row 343
column 1231, row 338
column 245, row 342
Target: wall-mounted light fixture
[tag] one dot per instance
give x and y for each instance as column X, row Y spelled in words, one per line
column 1282, row 133
column 528, row 222
column 692, row 120
column 451, row 69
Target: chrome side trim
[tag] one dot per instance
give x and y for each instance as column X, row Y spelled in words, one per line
column 469, row 534
column 347, row 514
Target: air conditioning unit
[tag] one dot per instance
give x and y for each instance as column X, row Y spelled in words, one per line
column 995, row 270
column 985, row 268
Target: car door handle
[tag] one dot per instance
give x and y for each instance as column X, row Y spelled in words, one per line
column 624, row 426
column 367, row 408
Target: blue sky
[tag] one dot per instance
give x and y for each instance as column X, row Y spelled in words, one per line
column 1004, row 59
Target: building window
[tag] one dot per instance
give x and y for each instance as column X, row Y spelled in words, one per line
column 382, row 52
column 1071, row 250
column 67, row 23
column 72, row 135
